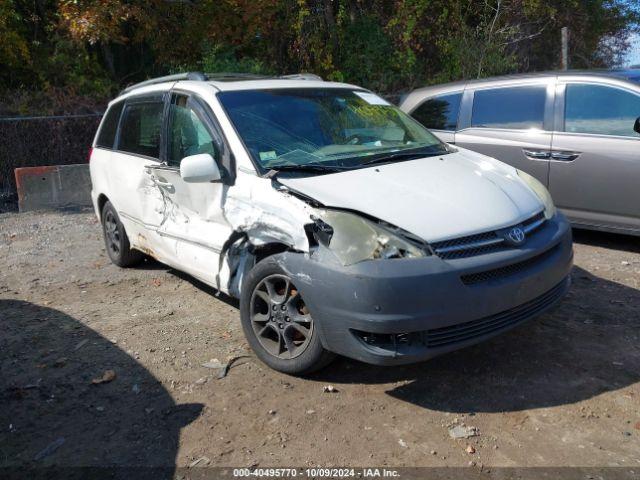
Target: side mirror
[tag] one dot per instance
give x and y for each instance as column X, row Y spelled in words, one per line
column 199, row 168
column 636, row 127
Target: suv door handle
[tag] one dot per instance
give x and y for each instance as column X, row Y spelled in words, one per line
column 565, row 156
column 163, row 184
column 537, row 154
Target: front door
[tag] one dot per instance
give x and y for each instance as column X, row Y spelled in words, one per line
column 595, row 166
column 512, row 124
column 194, row 228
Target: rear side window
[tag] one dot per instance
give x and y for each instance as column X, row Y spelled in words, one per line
column 517, row 108
column 107, row 134
column 601, row 109
column 439, row 113
column 140, row 128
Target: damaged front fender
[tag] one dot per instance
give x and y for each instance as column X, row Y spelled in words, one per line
column 267, row 215
column 262, row 219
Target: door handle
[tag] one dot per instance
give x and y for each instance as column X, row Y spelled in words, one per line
column 163, row 184
column 565, row 156
column 537, row 154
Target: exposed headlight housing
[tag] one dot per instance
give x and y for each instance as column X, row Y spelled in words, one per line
column 353, row 238
column 541, row 191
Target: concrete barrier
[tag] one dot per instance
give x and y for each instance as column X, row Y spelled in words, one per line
column 53, row 187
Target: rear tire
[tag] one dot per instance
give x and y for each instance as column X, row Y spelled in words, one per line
column 277, row 324
column 116, row 240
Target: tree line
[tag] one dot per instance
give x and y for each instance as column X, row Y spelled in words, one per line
column 70, row 55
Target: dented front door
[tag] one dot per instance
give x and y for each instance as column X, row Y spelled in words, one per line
column 193, row 228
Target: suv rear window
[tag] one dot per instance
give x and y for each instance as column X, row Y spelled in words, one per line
column 439, row 113
column 518, row 108
column 107, row 134
column 140, row 128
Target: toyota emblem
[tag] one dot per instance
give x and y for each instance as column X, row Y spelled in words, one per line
column 516, row 236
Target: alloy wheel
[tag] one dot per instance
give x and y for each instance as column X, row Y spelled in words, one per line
column 279, row 317
column 112, row 233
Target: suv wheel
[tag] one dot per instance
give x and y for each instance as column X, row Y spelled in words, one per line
column 278, row 324
column 116, row 240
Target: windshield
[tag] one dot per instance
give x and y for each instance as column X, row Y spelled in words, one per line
column 324, row 127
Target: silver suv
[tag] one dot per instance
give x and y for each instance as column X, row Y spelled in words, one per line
column 576, row 132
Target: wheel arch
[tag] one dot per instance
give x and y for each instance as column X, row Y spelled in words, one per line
column 267, row 250
column 244, row 256
column 102, row 200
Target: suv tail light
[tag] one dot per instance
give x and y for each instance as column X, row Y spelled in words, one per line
column 90, row 153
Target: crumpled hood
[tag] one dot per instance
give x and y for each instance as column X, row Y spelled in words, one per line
column 436, row 198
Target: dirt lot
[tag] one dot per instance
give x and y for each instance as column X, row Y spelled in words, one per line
column 561, row 390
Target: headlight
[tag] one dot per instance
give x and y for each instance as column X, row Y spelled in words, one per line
column 541, row 191
column 354, row 239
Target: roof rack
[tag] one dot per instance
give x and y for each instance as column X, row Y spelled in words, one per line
column 219, row 76
column 230, row 76
column 198, row 76
column 302, row 76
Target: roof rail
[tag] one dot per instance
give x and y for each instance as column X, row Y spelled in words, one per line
column 302, row 76
column 198, row 76
column 222, row 76
column 235, row 76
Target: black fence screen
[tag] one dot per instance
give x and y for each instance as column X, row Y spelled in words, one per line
column 36, row 141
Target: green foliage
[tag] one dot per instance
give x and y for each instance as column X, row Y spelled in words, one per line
column 224, row 58
column 93, row 47
column 366, row 55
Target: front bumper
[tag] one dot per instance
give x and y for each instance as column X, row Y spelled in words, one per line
column 391, row 312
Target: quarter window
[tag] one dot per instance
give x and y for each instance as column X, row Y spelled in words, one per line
column 140, row 128
column 601, row 109
column 188, row 133
column 520, row 108
column 109, row 125
column 439, row 113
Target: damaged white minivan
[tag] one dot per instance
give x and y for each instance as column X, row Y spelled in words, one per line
column 341, row 224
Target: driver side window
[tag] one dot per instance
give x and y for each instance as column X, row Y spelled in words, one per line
column 601, row 109
column 188, row 133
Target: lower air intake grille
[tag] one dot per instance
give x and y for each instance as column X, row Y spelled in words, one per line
column 462, row 332
column 507, row 270
column 408, row 343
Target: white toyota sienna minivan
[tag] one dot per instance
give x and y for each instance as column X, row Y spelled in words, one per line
column 341, row 224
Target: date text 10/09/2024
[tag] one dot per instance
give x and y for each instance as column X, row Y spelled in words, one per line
column 317, row 472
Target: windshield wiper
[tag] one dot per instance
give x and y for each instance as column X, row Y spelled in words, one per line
column 303, row 168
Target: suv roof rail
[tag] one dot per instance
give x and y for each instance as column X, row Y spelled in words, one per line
column 302, row 76
column 167, row 78
column 228, row 76
column 220, row 76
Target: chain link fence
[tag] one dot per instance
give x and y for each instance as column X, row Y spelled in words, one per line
column 36, row 141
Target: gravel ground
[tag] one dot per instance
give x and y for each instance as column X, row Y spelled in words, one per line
column 562, row 390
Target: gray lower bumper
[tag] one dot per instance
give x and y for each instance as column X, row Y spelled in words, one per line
column 402, row 311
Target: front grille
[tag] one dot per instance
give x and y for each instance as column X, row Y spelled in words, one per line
column 507, row 270
column 408, row 343
column 462, row 332
column 482, row 243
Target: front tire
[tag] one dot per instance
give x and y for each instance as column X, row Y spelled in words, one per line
column 116, row 240
column 277, row 322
